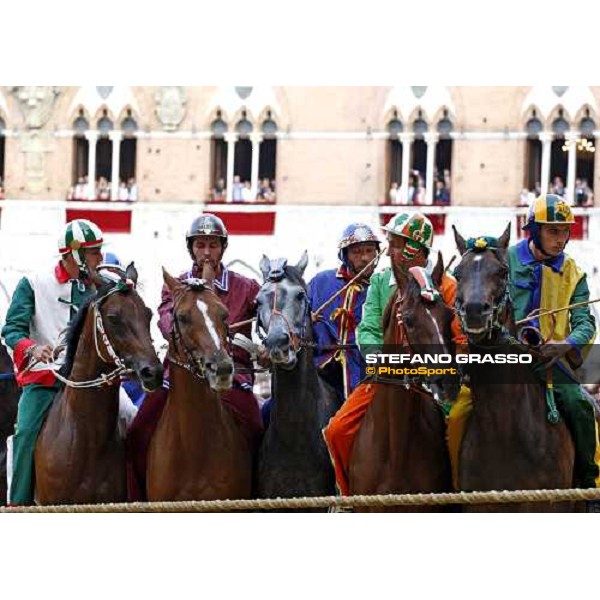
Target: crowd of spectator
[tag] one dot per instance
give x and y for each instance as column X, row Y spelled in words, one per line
column 583, row 195
column 417, row 193
column 127, row 191
column 1, row 189
column 242, row 191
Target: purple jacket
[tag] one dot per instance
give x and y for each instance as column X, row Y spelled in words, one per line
column 238, row 294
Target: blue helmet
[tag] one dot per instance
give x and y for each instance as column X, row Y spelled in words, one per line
column 111, row 259
column 356, row 233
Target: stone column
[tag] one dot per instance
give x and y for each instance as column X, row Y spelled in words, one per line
column 571, row 137
column 92, row 138
column 546, row 139
column 256, row 139
column 230, row 138
column 115, row 137
column 407, row 140
column 431, row 140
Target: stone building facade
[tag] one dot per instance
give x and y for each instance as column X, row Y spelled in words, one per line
column 320, row 145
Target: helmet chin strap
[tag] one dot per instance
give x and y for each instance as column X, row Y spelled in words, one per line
column 537, row 242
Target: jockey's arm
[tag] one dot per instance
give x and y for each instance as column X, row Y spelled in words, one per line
column 582, row 322
column 17, row 328
column 448, row 291
column 370, row 329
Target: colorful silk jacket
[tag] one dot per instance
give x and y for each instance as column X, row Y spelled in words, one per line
column 337, row 324
column 40, row 310
column 551, row 284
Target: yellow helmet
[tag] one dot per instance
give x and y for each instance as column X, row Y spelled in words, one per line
column 549, row 208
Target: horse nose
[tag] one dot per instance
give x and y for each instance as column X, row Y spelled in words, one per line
column 277, row 340
column 477, row 309
column 151, row 376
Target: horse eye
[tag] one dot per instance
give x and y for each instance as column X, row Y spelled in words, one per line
column 113, row 317
column 184, row 318
column 299, row 295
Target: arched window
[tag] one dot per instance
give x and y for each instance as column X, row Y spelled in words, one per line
column 242, row 165
column 443, row 161
column 394, row 161
column 81, row 151
column 586, row 150
column 267, row 163
column 128, row 154
column 559, row 156
column 533, row 158
column 218, row 159
column 104, row 152
column 418, row 174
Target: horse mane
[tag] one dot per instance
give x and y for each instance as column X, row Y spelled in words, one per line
column 75, row 329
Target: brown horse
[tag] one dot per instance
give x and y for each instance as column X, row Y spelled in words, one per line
column 79, row 455
column 401, row 445
column 198, row 451
column 508, row 443
column 9, row 398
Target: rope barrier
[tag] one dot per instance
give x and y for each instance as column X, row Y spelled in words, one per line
column 375, row 501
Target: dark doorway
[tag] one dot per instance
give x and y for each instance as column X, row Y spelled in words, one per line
column 127, row 159
column 104, row 158
column 243, row 159
column 267, row 159
column 2, row 146
column 81, row 151
column 533, row 164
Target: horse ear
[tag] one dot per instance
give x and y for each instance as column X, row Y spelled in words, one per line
column 265, row 266
column 438, row 271
column 505, row 238
column 303, row 262
column 131, row 273
column 171, row 282
column 460, row 241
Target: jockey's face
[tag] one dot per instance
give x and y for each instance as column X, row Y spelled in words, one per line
column 360, row 255
column 208, row 248
column 93, row 258
column 554, row 237
column 400, row 256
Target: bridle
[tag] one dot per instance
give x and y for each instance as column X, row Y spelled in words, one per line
column 297, row 339
column 497, row 316
column 196, row 367
column 122, row 284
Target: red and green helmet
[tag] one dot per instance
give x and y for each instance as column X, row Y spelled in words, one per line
column 416, row 227
column 78, row 236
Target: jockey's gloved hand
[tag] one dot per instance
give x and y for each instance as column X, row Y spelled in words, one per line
column 553, row 350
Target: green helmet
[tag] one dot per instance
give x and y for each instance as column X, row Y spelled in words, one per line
column 78, row 236
column 416, row 227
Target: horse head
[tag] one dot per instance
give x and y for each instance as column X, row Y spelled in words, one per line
column 122, row 325
column 421, row 319
column 199, row 338
column 482, row 297
column 283, row 309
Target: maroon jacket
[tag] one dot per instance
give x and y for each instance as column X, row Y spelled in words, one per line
column 238, row 294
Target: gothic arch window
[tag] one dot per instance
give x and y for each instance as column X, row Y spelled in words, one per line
column 419, row 156
column 443, row 160
column 533, row 157
column 81, row 151
column 585, row 162
column 394, row 160
column 218, row 158
column 559, row 155
column 267, row 160
column 128, row 153
column 242, row 164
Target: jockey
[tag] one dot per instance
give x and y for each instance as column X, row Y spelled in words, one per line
column 543, row 277
column 343, row 368
column 410, row 237
column 206, row 241
column 40, row 310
